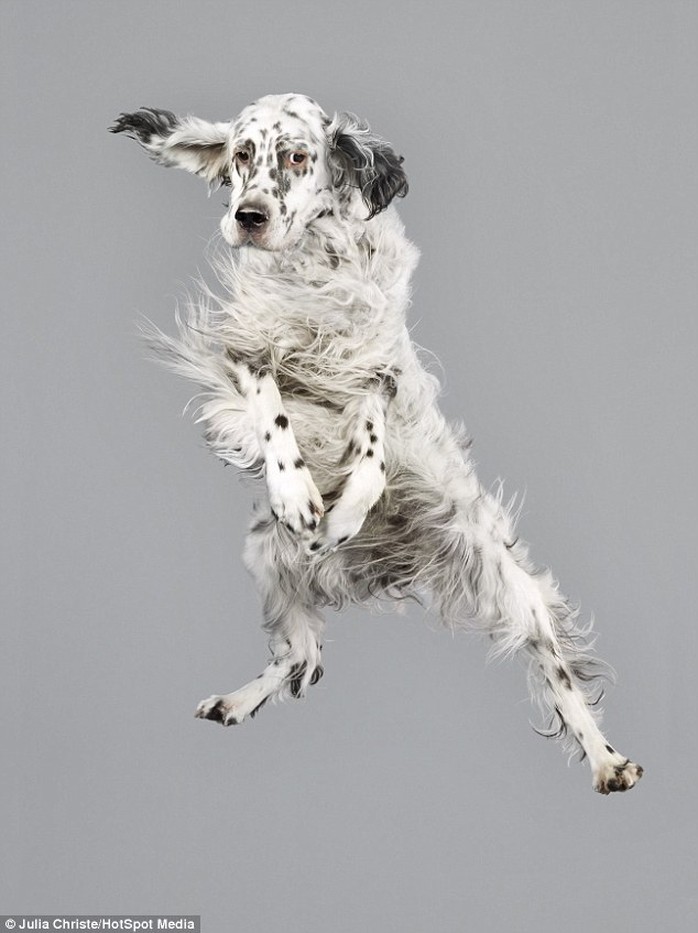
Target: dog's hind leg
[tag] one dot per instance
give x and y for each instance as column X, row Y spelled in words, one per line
column 294, row 626
column 523, row 612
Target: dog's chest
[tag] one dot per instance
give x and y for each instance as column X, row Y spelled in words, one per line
column 319, row 340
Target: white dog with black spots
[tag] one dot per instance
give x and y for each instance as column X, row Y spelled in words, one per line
column 311, row 382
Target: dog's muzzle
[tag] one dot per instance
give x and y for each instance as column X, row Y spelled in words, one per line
column 251, row 218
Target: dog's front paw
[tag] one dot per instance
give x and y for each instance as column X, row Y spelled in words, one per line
column 342, row 523
column 617, row 777
column 345, row 519
column 294, row 498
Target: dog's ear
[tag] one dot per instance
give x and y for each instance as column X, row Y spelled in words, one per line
column 181, row 142
column 361, row 159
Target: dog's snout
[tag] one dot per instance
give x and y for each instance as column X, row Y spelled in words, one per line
column 251, row 217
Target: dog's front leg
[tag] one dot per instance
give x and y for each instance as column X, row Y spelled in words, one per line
column 293, row 495
column 365, row 480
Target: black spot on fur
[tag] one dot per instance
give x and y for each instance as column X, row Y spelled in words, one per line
column 295, row 678
column 369, row 425
column 258, row 707
column 382, row 467
column 389, row 383
column 564, row 677
column 145, row 123
column 373, row 439
column 369, row 452
column 611, row 749
column 363, row 160
column 281, row 421
column 317, row 674
column 217, row 712
column 343, row 539
column 281, row 465
column 299, row 463
column 267, row 436
column 315, row 546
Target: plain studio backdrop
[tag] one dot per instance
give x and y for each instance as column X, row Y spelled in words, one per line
column 551, row 151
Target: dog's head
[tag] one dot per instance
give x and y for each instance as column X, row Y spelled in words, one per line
column 285, row 162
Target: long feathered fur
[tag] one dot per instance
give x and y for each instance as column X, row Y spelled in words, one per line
column 315, row 314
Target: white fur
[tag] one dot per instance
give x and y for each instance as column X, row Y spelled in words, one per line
column 310, row 380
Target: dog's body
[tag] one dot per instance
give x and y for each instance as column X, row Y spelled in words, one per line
column 311, row 380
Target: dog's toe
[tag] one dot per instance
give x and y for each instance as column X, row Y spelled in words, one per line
column 216, row 709
column 617, row 778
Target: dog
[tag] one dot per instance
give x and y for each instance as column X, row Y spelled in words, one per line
column 311, row 383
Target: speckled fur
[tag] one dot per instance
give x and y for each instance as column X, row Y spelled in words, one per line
column 305, row 363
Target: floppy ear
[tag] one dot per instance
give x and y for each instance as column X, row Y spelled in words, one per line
column 181, row 142
column 361, row 159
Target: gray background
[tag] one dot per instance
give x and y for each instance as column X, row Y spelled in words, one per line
column 551, row 152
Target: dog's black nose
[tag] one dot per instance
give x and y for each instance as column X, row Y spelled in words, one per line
column 251, row 218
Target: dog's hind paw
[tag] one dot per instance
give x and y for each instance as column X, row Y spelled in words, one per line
column 219, row 709
column 618, row 777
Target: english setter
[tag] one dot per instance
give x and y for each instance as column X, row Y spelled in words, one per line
column 310, row 380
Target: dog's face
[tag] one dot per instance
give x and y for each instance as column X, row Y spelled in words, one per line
column 278, row 171
column 285, row 161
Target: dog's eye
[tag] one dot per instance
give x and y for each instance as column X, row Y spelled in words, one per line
column 296, row 159
column 242, row 157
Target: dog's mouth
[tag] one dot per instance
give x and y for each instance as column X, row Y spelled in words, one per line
column 266, row 241
column 249, row 239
